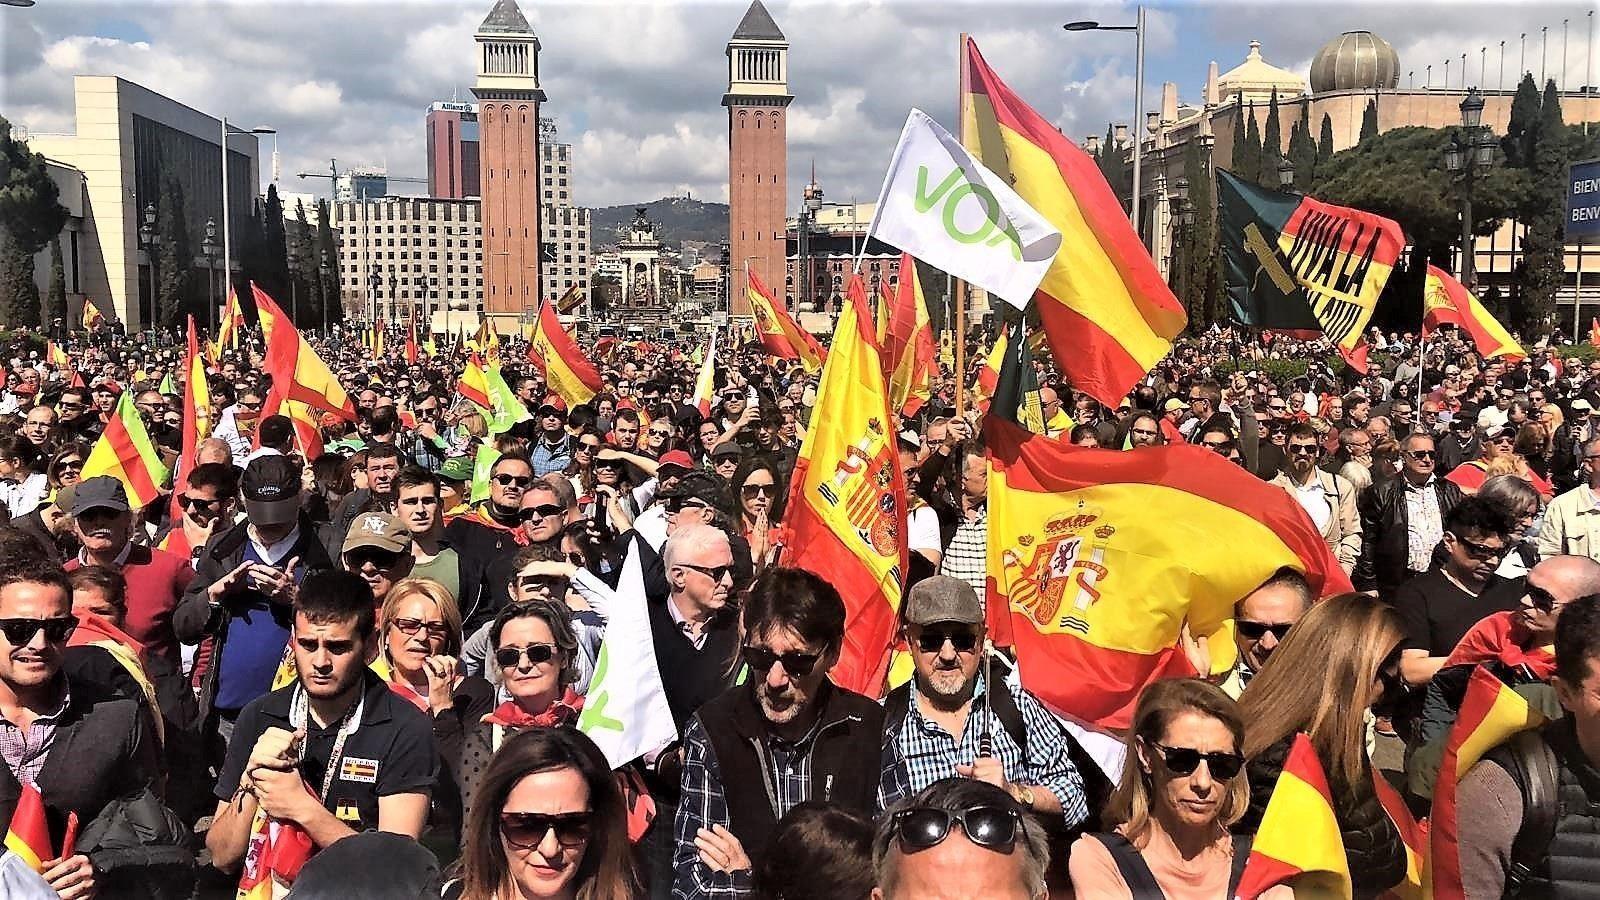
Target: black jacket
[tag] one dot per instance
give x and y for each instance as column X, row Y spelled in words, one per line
column 1384, row 547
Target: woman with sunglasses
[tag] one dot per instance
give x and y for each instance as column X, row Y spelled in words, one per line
column 551, row 824
column 758, row 487
column 1182, row 787
column 531, row 672
column 1339, row 661
column 65, row 466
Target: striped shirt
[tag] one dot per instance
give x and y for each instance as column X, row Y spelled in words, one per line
column 967, row 556
column 25, row 749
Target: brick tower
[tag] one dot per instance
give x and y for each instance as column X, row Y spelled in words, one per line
column 757, row 101
column 508, row 95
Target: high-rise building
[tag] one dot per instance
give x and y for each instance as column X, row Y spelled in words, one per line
column 564, row 226
column 757, row 101
column 361, row 184
column 453, row 150
column 404, row 257
column 508, row 93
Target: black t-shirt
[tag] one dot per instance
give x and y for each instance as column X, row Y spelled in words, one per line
column 1437, row 613
column 391, row 752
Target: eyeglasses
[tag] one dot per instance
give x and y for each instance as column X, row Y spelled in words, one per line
column 542, row 511
column 993, row 827
column 1303, row 449
column 1420, row 455
column 520, row 482
column 963, row 640
column 715, row 573
column 527, row 830
column 1184, row 760
column 766, row 490
column 358, row 558
column 677, row 506
column 1541, row 599
column 551, row 584
column 66, row 464
column 537, row 654
column 247, row 405
column 19, row 632
column 411, row 626
column 1476, row 550
column 656, row 432
column 588, row 448
column 794, row 662
column 1255, row 631
column 197, row 503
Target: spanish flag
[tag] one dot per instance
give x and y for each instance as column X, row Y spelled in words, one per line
column 567, row 371
column 474, row 383
column 28, row 836
column 303, row 387
column 196, row 416
column 1100, row 556
column 278, row 850
column 55, row 356
column 1298, row 843
column 846, row 518
column 989, row 373
column 1491, row 713
column 1107, row 312
column 411, row 343
column 1412, row 835
column 705, row 384
column 125, row 452
column 780, row 335
column 1446, row 301
column 229, row 327
column 908, row 350
column 91, row 315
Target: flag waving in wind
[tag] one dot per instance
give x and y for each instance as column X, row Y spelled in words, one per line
column 92, row 315
column 126, row 453
column 28, row 835
column 569, row 373
column 1446, row 301
column 705, row 384
column 474, row 382
column 303, row 387
column 780, row 335
column 942, row 206
column 1298, row 843
column 196, row 416
column 908, row 352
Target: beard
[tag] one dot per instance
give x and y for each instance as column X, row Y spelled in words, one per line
column 946, row 687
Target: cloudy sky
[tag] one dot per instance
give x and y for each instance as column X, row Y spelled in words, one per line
column 636, row 87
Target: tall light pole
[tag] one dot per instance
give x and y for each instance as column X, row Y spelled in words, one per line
column 208, row 248
column 227, row 231
column 147, row 240
column 1468, row 157
column 1138, row 93
column 267, row 129
column 328, row 296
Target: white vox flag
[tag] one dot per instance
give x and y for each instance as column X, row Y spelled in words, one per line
column 943, row 207
column 625, row 710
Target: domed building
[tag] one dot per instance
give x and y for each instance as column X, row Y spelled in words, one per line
column 1355, row 61
column 1255, row 79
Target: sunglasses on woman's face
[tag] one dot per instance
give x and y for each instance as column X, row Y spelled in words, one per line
column 992, row 827
column 765, row 490
column 525, row 829
column 1184, row 760
column 537, row 654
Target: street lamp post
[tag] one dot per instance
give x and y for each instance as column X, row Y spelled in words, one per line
column 328, row 296
column 209, row 249
column 394, row 295
column 1468, row 157
column 147, row 242
column 1138, row 90
column 374, row 289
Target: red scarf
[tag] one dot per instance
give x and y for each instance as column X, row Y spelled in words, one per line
column 562, row 712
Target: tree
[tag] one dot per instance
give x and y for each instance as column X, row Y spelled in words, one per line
column 31, row 215
column 1544, row 264
column 328, row 252
column 55, row 297
column 1369, row 121
column 174, row 255
column 274, row 277
column 1303, row 150
column 1198, row 249
column 1523, row 127
column 1250, row 167
column 1325, row 141
column 1272, row 134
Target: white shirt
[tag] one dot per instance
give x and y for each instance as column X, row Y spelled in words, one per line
column 277, row 552
column 678, row 619
column 922, row 530
column 1315, row 501
column 23, row 497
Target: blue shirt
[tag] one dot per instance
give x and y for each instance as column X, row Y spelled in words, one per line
column 258, row 632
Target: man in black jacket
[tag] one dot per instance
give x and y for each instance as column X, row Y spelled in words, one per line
column 1403, row 519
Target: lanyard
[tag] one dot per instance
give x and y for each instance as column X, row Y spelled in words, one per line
column 299, row 712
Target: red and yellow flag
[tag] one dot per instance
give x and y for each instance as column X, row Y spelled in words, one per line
column 411, row 343
column 55, row 356
column 196, row 415
column 780, row 334
column 277, row 851
column 1412, row 835
column 569, row 374
column 91, row 315
column 125, row 452
column 1107, row 312
column 846, row 518
column 303, row 387
column 1594, row 332
column 229, row 326
column 1446, row 301
column 1298, row 843
column 908, row 351
column 28, row 836
column 1491, row 712
column 989, row 373
column 474, row 382
column 705, row 384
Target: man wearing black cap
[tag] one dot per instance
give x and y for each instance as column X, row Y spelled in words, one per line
column 245, row 586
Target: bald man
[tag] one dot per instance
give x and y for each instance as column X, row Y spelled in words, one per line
column 1523, row 636
column 214, row 450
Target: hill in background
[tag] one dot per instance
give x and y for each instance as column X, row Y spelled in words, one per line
column 676, row 219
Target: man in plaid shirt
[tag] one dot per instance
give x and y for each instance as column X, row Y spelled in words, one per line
column 786, row 736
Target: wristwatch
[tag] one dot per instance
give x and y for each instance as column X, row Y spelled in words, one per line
column 1023, row 794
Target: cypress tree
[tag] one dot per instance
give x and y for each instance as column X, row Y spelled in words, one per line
column 1369, row 121
column 1544, row 265
column 274, row 277
column 1303, row 152
column 19, row 296
column 174, row 259
column 1523, row 127
column 55, row 298
column 1250, row 168
column 1272, row 134
column 328, row 250
column 1325, row 142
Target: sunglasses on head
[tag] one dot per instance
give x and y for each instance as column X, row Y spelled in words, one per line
column 19, row 632
column 797, row 664
column 1255, row 631
column 542, row 511
column 931, row 640
column 1184, row 760
column 520, row 482
column 993, row 827
column 537, row 654
column 525, row 830
column 411, row 626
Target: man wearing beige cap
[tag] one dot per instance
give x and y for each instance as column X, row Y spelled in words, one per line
column 378, row 548
column 947, row 721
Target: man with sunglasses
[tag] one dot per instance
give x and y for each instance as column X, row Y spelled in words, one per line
column 1572, row 520
column 960, row 838
column 205, row 501
column 1402, row 519
column 1329, row 499
column 492, row 530
column 80, row 746
column 1261, row 619
column 959, row 717
column 378, row 549
column 785, row 736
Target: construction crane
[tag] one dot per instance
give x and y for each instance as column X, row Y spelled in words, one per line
column 333, row 176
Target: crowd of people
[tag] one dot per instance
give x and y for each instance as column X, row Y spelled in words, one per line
column 390, row 650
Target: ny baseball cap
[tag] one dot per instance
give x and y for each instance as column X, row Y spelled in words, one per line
column 940, row 598
column 271, row 490
column 99, row 492
column 380, row 531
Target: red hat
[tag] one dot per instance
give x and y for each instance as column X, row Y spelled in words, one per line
column 674, row 458
column 555, row 402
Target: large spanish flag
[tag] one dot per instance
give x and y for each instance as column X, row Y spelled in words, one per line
column 567, row 371
column 28, row 835
column 846, row 518
column 1298, row 843
column 126, row 453
column 1107, row 312
column 228, row 328
column 1446, row 301
column 1491, row 712
column 1101, row 555
column 780, row 335
column 303, row 387
column 908, row 348
column 474, row 382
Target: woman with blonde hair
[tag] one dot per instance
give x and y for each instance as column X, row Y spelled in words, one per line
column 1340, row 659
column 420, row 657
column 1182, row 786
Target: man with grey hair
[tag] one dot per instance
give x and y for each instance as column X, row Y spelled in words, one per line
column 1572, row 520
column 960, row 838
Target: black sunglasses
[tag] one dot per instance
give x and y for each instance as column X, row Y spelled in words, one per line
column 993, row 827
column 715, row 573
column 525, row 830
column 677, row 506
column 931, row 640
column 513, row 480
column 1479, row 551
column 537, row 654
column 543, row 510
column 795, row 663
column 1541, row 599
column 1255, row 631
column 751, row 490
column 552, row 584
column 411, row 626
column 19, row 632
column 358, row 558
column 1304, row 449
column 187, row 502
column 1184, row 760
column 1422, row 454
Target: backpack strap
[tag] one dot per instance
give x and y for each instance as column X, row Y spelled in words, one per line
column 1241, row 855
column 895, row 706
column 1135, row 871
column 1004, row 707
column 1532, row 765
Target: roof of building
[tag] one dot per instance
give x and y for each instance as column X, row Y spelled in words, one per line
column 1355, row 60
column 505, row 17
column 757, row 25
column 1256, row 76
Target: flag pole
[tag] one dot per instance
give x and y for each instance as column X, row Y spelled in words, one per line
column 961, row 285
